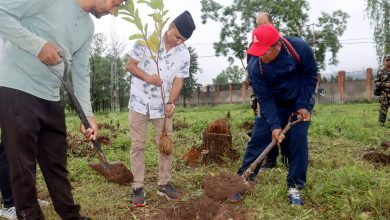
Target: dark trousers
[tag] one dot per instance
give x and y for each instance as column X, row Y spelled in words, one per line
column 5, row 180
column 33, row 131
column 296, row 150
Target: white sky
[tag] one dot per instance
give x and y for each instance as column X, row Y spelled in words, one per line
column 355, row 55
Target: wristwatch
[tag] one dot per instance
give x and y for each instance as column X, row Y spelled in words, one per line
column 170, row 103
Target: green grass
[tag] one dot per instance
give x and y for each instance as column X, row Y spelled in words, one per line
column 340, row 184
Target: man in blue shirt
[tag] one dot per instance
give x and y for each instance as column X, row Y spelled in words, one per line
column 283, row 84
column 31, row 117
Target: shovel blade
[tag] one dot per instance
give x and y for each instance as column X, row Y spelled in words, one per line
column 115, row 172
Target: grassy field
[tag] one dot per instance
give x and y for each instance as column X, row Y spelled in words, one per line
column 341, row 185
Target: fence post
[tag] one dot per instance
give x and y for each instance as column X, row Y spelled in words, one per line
column 198, row 93
column 244, row 91
column 208, row 94
column 341, row 85
column 219, row 93
column 318, row 87
column 369, row 83
column 231, row 92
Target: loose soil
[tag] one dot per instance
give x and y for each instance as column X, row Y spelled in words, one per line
column 376, row 157
column 386, row 145
column 203, row 208
column 223, row 186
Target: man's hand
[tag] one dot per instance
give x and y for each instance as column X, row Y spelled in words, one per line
column 49, row 54
column 90, row 133
column 276, row 135
column 305, row 114
column 154, row 80
column 169, row 110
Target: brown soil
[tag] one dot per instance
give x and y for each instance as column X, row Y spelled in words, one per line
column 203, row 208
column 115, row 172
column 376, row 157
column 78, row 145
column 223, row 186
column 248, row 125
column 192, row 157
column 104, row 140
column 386, row 145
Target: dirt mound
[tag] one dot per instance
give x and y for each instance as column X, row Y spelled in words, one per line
column 376, row 157
column 386, row 145
column 222, row 186
column 203, row 208
column 192, row 157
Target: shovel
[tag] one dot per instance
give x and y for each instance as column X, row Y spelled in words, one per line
column 293, row 119
column 115, row 172
column 223, row 186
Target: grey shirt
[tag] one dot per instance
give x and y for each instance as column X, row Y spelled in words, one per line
column 27, row 25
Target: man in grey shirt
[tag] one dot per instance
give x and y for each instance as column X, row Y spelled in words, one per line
column 31, row 117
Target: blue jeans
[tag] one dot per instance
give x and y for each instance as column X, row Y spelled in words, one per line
column 296, row 150
column 5, row 180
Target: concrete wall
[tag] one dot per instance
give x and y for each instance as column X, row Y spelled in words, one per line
column 337, row 92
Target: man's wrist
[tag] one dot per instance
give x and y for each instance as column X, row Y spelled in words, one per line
column 171, row 103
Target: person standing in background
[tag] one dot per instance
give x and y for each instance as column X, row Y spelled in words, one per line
column 382, row 82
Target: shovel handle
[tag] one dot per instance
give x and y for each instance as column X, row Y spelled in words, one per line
column 265, row 152
column 69, row 89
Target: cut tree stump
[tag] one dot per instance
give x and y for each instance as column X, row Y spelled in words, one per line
column 217, row 143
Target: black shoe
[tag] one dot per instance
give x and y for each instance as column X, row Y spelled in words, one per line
column 85, row 218
column 169, row 192
column 267, row 165
column 138, row 197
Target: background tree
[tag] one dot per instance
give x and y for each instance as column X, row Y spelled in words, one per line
column 234, row 74
column 378, row 12
column 101, row 60
column 221, row 79
column 190, row 83
column 100, row 74
column 290, row 17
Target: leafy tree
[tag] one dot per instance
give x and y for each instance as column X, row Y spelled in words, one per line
column 221, row 79
column 100, row 74
column 234, row 74
column 290, row 17
column 378, row 12
column 190, row 83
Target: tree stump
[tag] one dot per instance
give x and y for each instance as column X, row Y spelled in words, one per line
column 217, row 143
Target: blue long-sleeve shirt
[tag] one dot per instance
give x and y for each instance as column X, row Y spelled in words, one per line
column 285, row 82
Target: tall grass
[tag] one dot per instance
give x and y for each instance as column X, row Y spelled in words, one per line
column 340, row 184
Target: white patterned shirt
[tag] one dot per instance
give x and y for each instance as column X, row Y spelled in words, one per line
column 145, row 97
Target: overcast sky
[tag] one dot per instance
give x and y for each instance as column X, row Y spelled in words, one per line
column 358, row 50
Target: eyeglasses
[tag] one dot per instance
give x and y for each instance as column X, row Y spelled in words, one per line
column 388, row 59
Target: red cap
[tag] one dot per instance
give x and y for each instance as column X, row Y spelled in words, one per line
column 263, row 37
